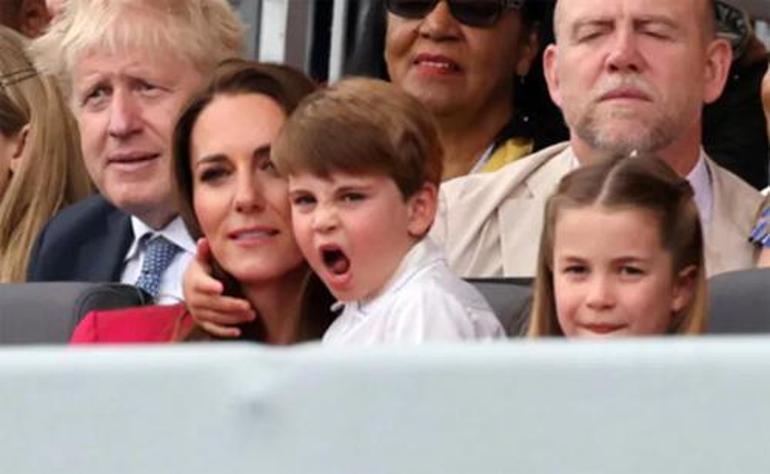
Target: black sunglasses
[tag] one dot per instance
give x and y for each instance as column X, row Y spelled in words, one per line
column 478, row 13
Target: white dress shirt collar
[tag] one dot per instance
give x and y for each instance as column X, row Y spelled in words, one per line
column 170, row 291
column 175, row 232
column 700, row 180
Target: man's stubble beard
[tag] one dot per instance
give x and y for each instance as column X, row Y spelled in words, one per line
column 656, row 134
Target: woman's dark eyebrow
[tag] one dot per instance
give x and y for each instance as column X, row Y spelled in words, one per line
column 260, row 152
column 213, row 158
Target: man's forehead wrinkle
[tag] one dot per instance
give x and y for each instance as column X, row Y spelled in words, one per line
column 636, row 22
column 573, row 14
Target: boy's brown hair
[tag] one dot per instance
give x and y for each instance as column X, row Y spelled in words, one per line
column 362, row 125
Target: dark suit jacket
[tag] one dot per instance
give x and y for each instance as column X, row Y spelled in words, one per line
column 85, row 242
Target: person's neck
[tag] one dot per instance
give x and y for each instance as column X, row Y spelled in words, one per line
column 681, row 156
column 279, row 304
column 465, row 137
column 155, row 219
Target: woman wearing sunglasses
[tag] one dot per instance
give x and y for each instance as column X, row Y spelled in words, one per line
column 462, row 58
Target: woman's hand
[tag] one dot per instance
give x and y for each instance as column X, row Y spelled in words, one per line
column 210, row 309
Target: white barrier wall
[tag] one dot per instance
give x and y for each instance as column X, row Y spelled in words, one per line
column 694, row 406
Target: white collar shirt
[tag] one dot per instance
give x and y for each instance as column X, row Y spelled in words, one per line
column 423, row 301
column 700, row 181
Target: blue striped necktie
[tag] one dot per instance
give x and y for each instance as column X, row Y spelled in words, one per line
column 158, row 254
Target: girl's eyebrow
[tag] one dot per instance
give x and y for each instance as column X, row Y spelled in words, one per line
column 570, row 257
column 632, row 259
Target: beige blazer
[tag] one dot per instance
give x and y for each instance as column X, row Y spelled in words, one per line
column 734, row 213
column 489, row 224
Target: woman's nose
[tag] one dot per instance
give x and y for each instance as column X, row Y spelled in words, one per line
column 439, row 24
column 248, row 195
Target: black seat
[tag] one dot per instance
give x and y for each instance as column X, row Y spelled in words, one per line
column 366, row 40
column 510, row 299
column 739, row 302
column 47, row 313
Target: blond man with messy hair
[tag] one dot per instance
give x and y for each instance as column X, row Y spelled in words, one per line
column 203, row 32
column 127, row 68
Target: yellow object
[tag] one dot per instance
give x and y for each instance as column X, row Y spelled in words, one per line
column 508, row 152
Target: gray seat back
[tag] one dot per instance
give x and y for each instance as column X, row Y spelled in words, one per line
column 510, row 299
column 47, row 313
column 739, row 302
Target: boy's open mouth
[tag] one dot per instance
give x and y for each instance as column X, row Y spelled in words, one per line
column 335, row 260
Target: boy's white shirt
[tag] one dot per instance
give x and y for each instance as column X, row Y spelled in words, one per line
column 423, row 301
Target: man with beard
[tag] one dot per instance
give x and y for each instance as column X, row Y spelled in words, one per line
column 630, row 76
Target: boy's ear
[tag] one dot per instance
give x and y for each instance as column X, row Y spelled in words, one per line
column 684, row 288
column 421, row 209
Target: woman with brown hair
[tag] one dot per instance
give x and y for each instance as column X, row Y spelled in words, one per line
column 231, row 194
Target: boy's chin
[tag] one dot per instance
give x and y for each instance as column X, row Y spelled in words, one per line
column 346, row 293
column 341, row 286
